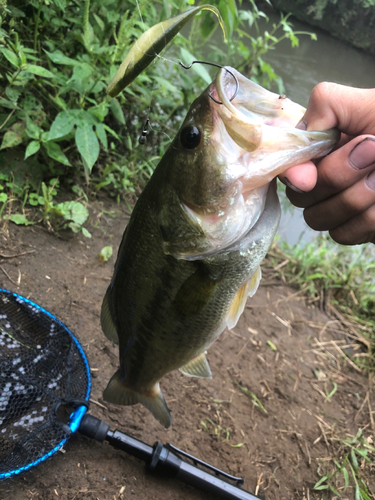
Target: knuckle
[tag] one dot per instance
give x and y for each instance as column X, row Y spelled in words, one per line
column 343, row 235
column 331, row 178
column 357, row 230
column 322, row 91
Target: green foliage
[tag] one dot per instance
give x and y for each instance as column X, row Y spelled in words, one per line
column 68, row 214
column 56, row 67
column 105, row 254
column 349, row 20
column 248, row 56
column 57, row 216
column 57, row 58
column 222, row 434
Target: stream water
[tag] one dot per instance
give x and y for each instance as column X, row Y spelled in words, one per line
column 326, row 59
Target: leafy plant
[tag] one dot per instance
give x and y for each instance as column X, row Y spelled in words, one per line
column 68, row 214
column 105, row 254
column 57, row 58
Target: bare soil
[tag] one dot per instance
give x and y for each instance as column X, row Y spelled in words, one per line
column 287, row 353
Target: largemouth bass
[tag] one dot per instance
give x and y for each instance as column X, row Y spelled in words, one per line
column 191, row 253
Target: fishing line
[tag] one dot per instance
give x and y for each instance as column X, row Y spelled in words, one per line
column 140, row 15
column 217, row 66
column 45, row 387
column 156, row 55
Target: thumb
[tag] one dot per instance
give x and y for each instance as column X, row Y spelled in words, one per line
column 349, row 109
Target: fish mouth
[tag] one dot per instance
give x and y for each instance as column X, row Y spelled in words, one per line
column 263, row 123
column 254, row 136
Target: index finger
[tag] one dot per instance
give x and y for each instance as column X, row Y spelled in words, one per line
column 349, row 109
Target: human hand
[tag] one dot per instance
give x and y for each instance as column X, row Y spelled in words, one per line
column 338, row 193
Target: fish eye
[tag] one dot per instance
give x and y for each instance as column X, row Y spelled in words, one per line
column 190, row 137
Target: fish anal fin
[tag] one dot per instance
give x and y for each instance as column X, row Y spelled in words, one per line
column 237, row 307
column 106, row 320
column 118, row 393
column 197, row 367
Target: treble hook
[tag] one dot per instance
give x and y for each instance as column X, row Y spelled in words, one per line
column 217, row 66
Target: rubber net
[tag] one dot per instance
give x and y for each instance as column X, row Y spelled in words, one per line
column 42, row 370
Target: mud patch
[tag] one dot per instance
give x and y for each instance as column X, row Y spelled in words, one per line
column 269, row 414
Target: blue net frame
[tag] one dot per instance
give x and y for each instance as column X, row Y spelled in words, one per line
column 43, row 369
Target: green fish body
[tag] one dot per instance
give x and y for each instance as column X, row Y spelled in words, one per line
column 191, row 253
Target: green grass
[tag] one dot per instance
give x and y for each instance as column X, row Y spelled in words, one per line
column 345, row 472
column 330, row 274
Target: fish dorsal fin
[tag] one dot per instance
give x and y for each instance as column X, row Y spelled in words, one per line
column 118, row 393
column 106, row 320
column 238, row 305
column 197, row 367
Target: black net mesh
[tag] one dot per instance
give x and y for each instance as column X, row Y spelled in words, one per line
column 42, row 369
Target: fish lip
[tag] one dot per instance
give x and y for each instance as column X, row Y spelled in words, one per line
column 252, row 104
column 220, row 81
column 256, row 117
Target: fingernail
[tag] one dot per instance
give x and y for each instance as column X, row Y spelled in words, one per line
column 302, row 125
column 363, row 154
column 370, row 181
column 288, row 183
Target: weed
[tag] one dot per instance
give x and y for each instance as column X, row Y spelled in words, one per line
column 105, row 254
column 271, row 345
column 68, row 214
column 254, row 399
column 221, row 433
column 332, row 274
column 347, row 469
column 329, row 395
column 57, row 216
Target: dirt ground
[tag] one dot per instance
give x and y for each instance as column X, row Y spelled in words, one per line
column 284, row 351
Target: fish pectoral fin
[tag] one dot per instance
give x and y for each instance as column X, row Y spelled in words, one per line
column 183, row 236
column 116, row 392
column 197, row 367
column 253, row 284
column 195, row 293
column 106, row 320
column 238, row 305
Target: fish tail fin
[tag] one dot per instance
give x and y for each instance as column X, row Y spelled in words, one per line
column 116, row 392
column 106, row 319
